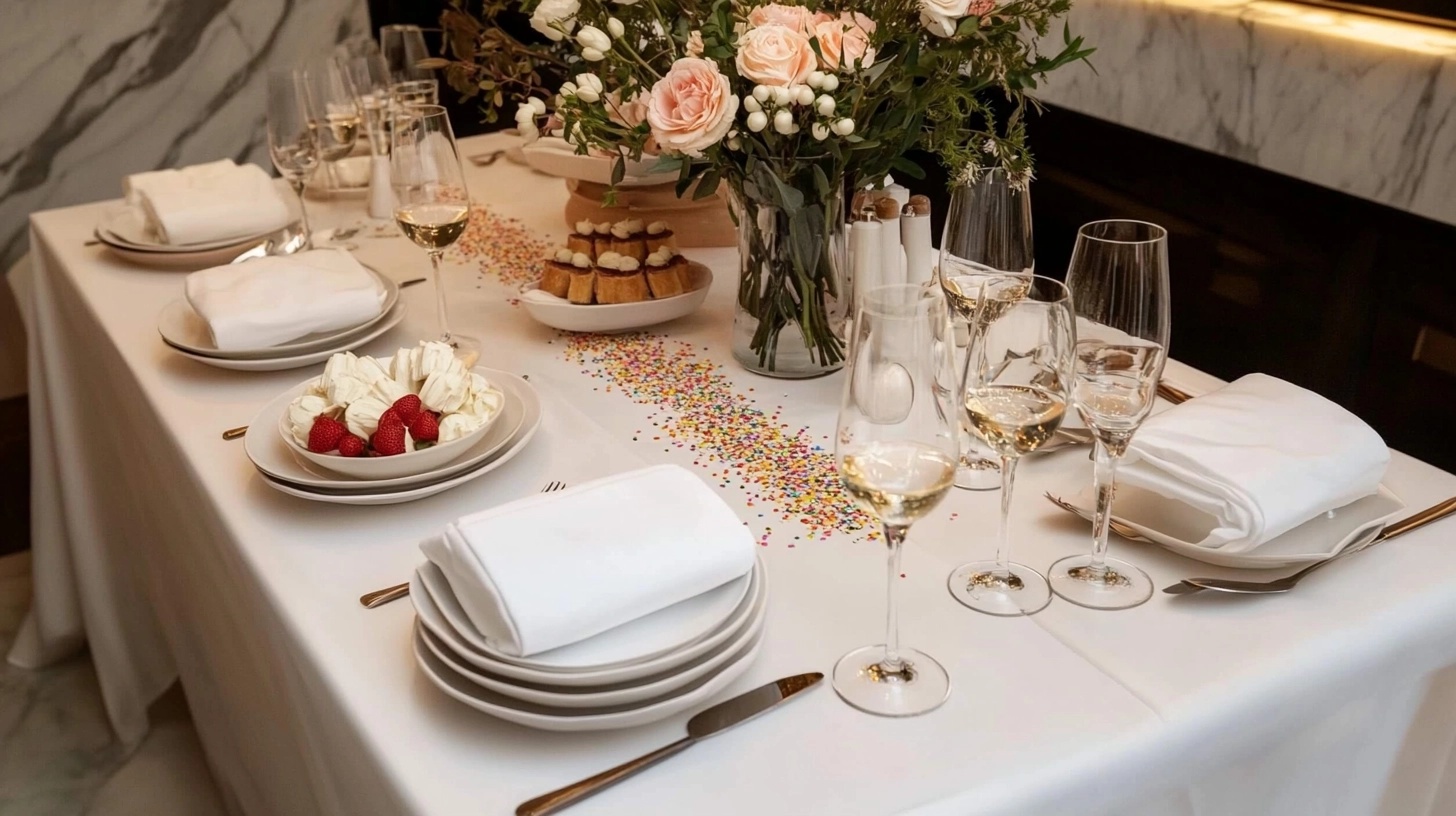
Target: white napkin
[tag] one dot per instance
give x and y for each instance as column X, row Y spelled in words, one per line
column 274, row 299
column 208, row 202
column 556, row 568
column 1260, row 455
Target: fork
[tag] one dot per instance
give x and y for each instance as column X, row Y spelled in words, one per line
column 380, row 597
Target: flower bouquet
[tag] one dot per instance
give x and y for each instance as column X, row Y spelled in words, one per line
column 785, row 104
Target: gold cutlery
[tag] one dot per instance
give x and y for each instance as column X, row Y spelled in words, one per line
column 1433, row 513
column 1173, row 393
column 1118, row 527
column 704, row 724
column 380, row 597
column 235, row 433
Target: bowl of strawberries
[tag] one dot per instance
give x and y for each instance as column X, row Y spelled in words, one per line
column 377, row 418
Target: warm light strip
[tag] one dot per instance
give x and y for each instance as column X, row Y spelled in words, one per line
column 1346, row 25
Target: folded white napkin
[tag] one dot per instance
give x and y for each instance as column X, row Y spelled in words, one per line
column 1260, row 455
column 274, row 299
column 208, row 202
column 556, row 568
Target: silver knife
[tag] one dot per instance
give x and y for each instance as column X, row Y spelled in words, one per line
column 704, row 724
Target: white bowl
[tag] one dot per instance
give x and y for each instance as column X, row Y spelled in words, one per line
column 382, row 467
column 606, row 318
column 554, row 156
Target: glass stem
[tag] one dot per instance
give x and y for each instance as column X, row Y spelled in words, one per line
column 435, row 257
column 1003, row 537
column 1105, row 483
column 894, row 541
column 298, row 186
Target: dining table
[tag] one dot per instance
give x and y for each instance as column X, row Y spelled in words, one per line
column 158, row 546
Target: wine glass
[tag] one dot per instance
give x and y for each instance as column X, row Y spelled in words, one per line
column 403, row 46
column 1118, row 277
column 1016, row 387
column 416, row 92
column 987, row 233
column 291, row 143
column 432, row 206
column 896, row 451
column 369, row 77
column 333, row 111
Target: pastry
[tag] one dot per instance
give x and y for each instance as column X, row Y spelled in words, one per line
column 629, row 239
column 556, row 277
column 622, row 282
column 602, row 238
column 583, row 279
column 581, row 240
column 659, row 236
column 663, row 277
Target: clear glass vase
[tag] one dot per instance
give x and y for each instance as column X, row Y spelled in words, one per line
column 793, row 296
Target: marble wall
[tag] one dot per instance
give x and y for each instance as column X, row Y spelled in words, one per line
column 91, row 90
column 1360, row 104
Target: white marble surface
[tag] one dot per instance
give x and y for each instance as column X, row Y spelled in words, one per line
column 1355, row 103
column 57, row 754
column 95, row 89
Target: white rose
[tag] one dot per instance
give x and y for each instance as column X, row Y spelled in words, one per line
column 593, row 37
column 362, row 416
column 940, row 17
column 301, row 414
column 555, row 11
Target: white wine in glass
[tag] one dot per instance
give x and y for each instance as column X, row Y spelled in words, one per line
column 897, row 448
column 432, row 206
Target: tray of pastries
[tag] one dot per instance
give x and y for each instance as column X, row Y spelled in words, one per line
column 616, row 276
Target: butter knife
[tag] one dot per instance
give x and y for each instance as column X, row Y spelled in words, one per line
column 704, row 724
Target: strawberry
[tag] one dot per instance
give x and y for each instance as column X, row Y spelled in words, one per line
column 390, row 417
column 425, row 427
column 389, row 439
column 351, row 445
column 325, row 434
column 408, row 407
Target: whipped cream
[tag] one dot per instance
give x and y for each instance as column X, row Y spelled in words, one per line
column 627, row 228
column 657, row 228
column 661, row 257
column 581, row 260
column 604, row 228
column 584, row 227
column 563, row 255
column 301, row 414
column 608, row 260
column 627, row 263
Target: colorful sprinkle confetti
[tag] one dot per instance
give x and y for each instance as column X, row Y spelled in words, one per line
column 785, row 474
column 504, row 246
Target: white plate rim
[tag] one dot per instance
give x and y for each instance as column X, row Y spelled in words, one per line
column 617, row 317
column 105, row 234
column 285, row 363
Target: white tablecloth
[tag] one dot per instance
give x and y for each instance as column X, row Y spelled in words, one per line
column 156, row 542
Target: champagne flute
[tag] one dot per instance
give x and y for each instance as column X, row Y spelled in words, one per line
column 369, row 77
column 987, row 233
column 432, row 206
column 1016, row 387
column 403, row 46
column 1119, row 282
column 896, row 451
column 333, row 112
column 291, row 143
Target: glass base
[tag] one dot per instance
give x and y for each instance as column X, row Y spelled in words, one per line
column 1120, row 585
column 978, row 474
column 861, row 680
column 467, row 348
column 1022, row 590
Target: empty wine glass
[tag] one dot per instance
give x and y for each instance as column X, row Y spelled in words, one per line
column 1017, row 383
column 416, row 92
column 987, row 233
column 432, row 206
column 403, row 46
column 333, row 111
column 291, row 144
column 1118, row 277
column 896, row 451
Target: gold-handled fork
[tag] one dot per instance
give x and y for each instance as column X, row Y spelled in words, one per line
column 379, row 597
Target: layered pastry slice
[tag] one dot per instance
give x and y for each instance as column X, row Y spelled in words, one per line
column 620, row 279
column 602, row 238
column 629, row 238
column 583, row 279
column 582, row 240
column 664, row 278
column 659, row 236
column 556, row 276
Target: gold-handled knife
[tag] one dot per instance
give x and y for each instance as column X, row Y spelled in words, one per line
column 704, row 724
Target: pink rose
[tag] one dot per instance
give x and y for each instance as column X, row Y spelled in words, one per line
column 774, row 55
column 796, row 17
column 980, row 8
column 845, row 43
column 694, row 45
column 692, row 107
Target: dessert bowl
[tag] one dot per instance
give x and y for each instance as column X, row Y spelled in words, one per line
column 606, row 318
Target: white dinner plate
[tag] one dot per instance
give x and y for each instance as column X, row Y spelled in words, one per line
column 583, row 719
column 269, row 454
column 125, row 228
column 184, row 329
column 389, row 321
column 606, row 318
column 667, row 630
column 408, row 494
column 1175, row 525
column 180, row 261
column 619, row 694
column 645, row 671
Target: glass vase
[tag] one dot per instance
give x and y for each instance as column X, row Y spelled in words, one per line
column 793, row 298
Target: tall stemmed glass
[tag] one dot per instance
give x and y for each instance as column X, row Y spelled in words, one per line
column 896, row 450
column 403, row 46
column 333, row 112
column 369, row 77
column 1119, row 282
column 432, row 205
column 1017, row 384
column 987, row 233
column 291, row 143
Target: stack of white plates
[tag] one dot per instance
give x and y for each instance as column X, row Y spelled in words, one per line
column 125, row 234
column 186, row 332
column 637, row 673
column 283, row 471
